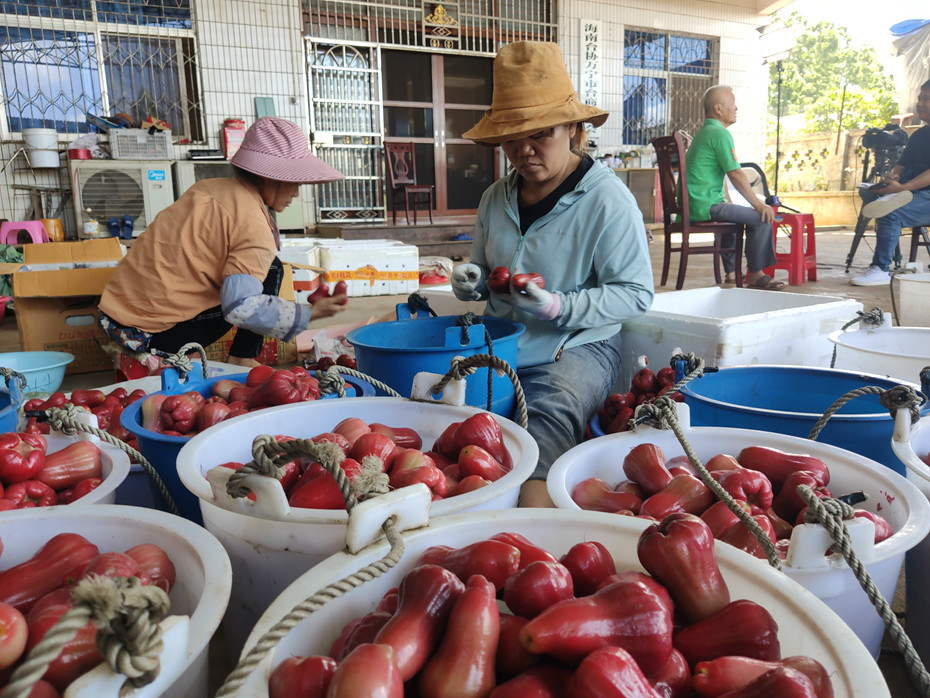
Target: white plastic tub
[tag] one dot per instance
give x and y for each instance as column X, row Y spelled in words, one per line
column 897, row 352
column 911, row 444
column 805, row 625
column 269, row 543
column 735, row 326
column 914, row 292
column 830, row 579
column 198, row 599
column 113, row 462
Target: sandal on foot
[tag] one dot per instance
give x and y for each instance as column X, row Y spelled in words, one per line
column 767, row 283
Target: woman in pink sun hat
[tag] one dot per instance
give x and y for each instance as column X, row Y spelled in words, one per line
column 209, row 261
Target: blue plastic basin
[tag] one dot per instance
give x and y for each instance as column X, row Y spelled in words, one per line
column 161, row 450
column 44, row 370
column 791, row 399
column 394, row 352
column 11, row 399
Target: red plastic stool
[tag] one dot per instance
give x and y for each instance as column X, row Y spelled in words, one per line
column 801, row 259
column 9, row 231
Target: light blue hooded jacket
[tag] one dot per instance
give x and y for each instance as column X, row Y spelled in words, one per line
column 592, row 250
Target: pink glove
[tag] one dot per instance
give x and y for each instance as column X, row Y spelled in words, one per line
column 534, row 300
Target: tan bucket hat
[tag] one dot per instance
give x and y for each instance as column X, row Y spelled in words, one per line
column 532, row 92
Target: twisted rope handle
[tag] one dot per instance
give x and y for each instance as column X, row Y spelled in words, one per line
column 830, row 513
column 126, row 615
column 182, row 361
column 9, row 373
column 461, row 367
column 876, row 316
column 384, row 387
column 268, row 454
column 893, row 399
column 63, row 419
column 662, row 414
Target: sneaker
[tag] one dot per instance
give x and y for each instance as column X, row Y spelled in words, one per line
column 884, row 205
column 874, row 276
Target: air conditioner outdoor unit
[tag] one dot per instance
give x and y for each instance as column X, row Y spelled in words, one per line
column 187, row 172
column 105, row 189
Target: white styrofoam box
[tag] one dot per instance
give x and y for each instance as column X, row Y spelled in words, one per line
column 307, row 254
column 734, row 327
column 805, row 625
column 915, row 299
column 372, row 267
column 306, row 281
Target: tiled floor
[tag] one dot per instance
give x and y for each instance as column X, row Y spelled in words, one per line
column 832, row 248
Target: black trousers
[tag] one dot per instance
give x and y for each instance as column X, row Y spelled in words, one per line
column 208, row 326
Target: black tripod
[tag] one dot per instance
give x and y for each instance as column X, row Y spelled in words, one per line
column 885, row 159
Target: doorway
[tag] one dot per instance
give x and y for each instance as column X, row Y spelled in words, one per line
column 430, row 100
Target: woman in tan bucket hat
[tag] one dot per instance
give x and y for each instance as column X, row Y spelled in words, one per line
column 209, row 261
column 562, row 215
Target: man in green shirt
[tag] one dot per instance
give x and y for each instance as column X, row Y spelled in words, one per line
column 712, row 156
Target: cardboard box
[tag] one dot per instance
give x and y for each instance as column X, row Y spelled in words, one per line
column 56, row 291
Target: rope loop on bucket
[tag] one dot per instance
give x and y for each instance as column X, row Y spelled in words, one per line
column 9, row 373
column 461, row 367
column 875, row 317
column 331, row 381
column 894, row 398
column 126, row 615
column 831, row 513
column 64, row 419
column 182, row 361
column 265, row 447
column 465, row 320
column 384, row 387
column 416, row 303
column 662, row 414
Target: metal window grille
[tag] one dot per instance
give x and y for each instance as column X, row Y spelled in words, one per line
column 664, row 77
column 62, row 59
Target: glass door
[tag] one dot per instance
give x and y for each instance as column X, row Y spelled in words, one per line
column 430, row 100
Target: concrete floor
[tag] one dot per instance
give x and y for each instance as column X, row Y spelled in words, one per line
column 832, row 249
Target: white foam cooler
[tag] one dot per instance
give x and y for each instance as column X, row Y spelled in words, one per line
column 734, row 326
column 805, row 625
column 829, row 578
column 897, row 352
column 270, row 543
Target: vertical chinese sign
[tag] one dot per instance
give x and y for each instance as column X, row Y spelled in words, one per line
column 591, row 33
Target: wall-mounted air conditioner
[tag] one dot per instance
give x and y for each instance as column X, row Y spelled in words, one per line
column 105, row 189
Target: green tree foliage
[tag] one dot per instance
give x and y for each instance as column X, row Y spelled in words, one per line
column 826, row 75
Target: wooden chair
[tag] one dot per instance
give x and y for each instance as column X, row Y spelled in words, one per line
column 919, row 238
column 670, row 153
column 402, row 181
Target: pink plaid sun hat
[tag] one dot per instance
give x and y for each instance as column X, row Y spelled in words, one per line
column 277, row 149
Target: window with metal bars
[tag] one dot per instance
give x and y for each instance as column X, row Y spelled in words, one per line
column 664, row 78
column 61, row 60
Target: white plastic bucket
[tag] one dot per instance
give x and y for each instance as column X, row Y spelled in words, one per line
column 269, row 543
column 805, row 625
column 911, row 444
column 897, row 352
column 113, row 462
column 42, row 147
column 899, row 501
column 198, row 599
column 915, row 299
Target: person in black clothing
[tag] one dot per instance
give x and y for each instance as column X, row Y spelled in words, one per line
column 903, row 200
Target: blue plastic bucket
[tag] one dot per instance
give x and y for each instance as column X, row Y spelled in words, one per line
column 791, row 399
column 44, row 370
column 394, row 352
column 161, row 450
column 11, row 399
